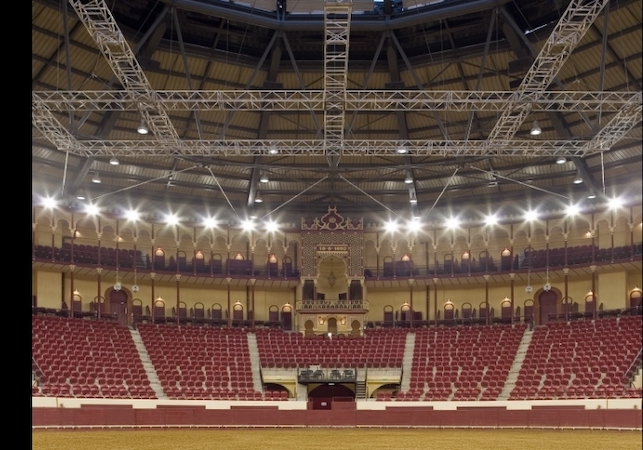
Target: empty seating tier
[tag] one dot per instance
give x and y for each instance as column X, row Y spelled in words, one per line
column 377, row 349
column 203, row 363
column 86, row 358
column 581, row 359
column 462, row 363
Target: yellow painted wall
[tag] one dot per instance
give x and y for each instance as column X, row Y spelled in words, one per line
column 612, row 290
column 49, row 289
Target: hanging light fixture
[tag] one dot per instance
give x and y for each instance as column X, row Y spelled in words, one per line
column 81, row 195
column 578, row 179
column 408, row 179
column 561, row 160
column 114, row 162
column 96, row 179
column 142, row 128
column 535, row 129
column 264, row 178
column 258, row 198
column 591, row 195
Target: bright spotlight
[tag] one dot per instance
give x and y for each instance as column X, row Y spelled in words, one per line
column 491, row 220
column 414, row 225
column 615, row 203
column 391, row 226
column 49, row 203
column 209, row 222
column 531, row 215
column 92, row 210
column 572, row 210
column 271, row 226
column 248, row 225
column 171, row 219
column 452, row 223
column 132, row 215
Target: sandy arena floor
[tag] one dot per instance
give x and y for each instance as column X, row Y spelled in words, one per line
column 335, row 439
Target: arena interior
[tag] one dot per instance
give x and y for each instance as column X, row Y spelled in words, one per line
column 340, row 213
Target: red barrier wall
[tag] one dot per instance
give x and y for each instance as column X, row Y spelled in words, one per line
column 176, row 416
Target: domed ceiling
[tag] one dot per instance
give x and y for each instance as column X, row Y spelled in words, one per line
column 390, row 108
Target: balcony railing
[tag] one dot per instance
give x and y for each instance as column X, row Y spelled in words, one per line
column 332, row 304
column 327, row 375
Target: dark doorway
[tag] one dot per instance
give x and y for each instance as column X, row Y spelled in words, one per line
column 332, row 326
column 118, row 306
column 286, row 318
column 548, row 301
column 321, row 397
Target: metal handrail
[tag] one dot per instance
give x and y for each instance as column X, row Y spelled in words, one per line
column 634, row 365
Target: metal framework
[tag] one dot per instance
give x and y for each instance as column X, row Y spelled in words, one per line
column 355, row 100
column 571, row 28
column 334, row 100
column 102, row 27
column 354, row 147
column 43, row 119
column 616, row 128
column 337, row 18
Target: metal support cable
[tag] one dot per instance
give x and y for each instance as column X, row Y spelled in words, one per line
column 294, row 197
column 371, row 197
column 223, row 192
column 142, row 183
column 519, row 182
column 442, row 192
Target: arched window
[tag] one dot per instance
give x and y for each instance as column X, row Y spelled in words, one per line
column 182, row 312
column 273, row 314
column 467, row 312
column 198, row 262
column 273, row 266
column 484, row 311
column 506, row 311
column 388, row 269
column 405, row 313
column 286, row 267
column 158, row 313
column 506, row 258
column 483, row 261
column 159, row 259
column 635, row 299
column 448, row 264
column 237, row 314
column 216, row 263
column 198, row 312
column 466, row 261
column 449, row 311
column 286, row 317
column 137, row 310
column 216, row 314
column 388, row 316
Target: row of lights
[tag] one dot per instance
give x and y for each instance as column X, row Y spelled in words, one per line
column 413, row 225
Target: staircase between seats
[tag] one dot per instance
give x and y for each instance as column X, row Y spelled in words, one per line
column 407, row 362
column 510, row 382
column 255, row 362
column 152, row 376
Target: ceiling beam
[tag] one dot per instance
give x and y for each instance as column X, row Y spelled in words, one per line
column 570, row 29
column 102, row 27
